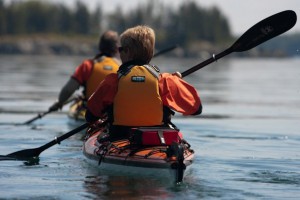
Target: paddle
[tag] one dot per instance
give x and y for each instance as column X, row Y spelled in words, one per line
column 165, row 50
column 259, row 33
column 31, row 153
column 40, row 115
column 256, row 35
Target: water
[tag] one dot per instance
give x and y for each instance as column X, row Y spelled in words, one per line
column 246, row 142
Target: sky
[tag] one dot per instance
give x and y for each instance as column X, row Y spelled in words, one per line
column 242, row 14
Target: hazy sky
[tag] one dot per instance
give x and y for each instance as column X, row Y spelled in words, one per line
column 242, row 14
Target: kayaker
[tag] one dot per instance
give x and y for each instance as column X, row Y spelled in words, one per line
column 92, row 71
column 138, row 94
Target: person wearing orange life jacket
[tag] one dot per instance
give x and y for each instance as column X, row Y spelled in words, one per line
column 138, row 95
column 92, row 71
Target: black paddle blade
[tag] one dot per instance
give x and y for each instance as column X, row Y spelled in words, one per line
column 28, row 154
column 25, row 154
column 265, row 30
column 6, row 158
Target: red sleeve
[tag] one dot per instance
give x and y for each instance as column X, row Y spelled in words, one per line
column 104, row 95
column 83, row 72
column 178, row 94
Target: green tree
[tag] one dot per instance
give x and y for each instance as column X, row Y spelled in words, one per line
column 184, row 26
column 42, row 17
column 2, row 18
column 81, row 19
column 96, row 17
column 61, row 20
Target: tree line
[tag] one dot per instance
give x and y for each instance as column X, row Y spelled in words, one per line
column 186, row 26
column 41, row 17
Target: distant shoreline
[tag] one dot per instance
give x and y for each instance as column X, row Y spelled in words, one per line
column 48, row 45
column 87, row 46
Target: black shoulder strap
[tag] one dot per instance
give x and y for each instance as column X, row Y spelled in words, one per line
column 124, row 72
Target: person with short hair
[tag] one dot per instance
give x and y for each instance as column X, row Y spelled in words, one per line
column 92, row 71
column 138, row 94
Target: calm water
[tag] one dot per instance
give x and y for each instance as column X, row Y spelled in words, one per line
column 247, row 141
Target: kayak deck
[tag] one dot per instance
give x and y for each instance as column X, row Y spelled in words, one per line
column 123, row 153
column 77, row 111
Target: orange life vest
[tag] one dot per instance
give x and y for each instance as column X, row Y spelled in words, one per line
column 138, row 102
column 102, row 67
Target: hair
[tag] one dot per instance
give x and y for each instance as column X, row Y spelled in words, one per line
column 108, row 43
column 140, row 41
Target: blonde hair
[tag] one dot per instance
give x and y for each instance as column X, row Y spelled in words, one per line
column 140, row 41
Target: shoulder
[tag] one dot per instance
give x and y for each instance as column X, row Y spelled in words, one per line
column 86, row 66
column 88, row 63
column 168, row 76
column 111, row 77
column 114, row 60
column 83, row 71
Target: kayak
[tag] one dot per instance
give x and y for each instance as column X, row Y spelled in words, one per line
column 77, row 110
column 168, row 159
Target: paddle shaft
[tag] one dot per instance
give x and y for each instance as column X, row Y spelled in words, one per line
column 63, row 137
column 165, row 50
column 40, row 115
column 30, row 153
column 214, row 58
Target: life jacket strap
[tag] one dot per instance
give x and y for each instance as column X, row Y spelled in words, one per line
column 154, row 70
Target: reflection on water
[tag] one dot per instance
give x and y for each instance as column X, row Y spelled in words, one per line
column 246, row 142
column 125, row 187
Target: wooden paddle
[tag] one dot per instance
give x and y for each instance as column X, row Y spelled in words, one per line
column 256, row 35
column 259, row 33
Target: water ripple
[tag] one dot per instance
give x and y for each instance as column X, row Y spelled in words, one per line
column 275, row 177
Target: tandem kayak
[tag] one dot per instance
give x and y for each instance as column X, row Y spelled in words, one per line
column 77, row 110
column 170, row 159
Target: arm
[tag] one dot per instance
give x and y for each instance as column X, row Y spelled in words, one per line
column 80, row 76
column 179, row 95
column 83, row 72
column 66, row 92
